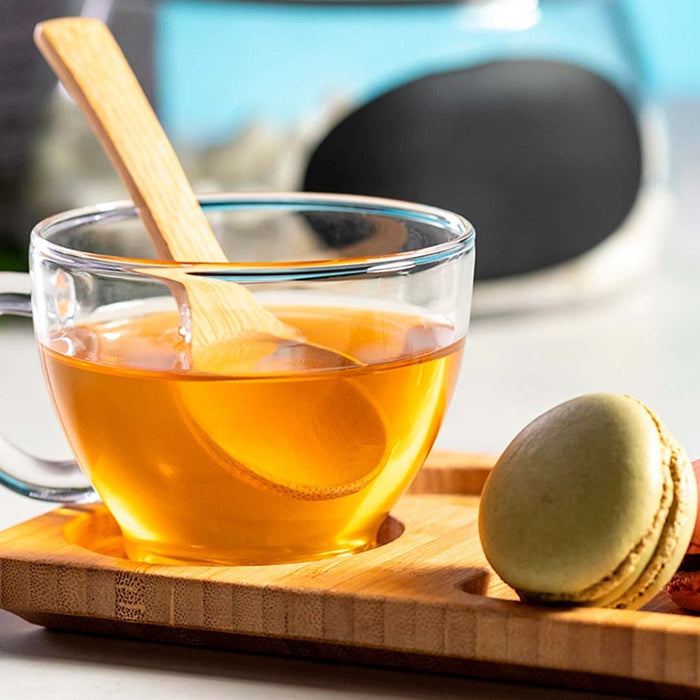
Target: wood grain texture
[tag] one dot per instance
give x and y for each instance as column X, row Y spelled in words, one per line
column 86, row 58
column 426, row 598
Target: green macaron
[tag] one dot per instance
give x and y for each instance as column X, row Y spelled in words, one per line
column 593, row 503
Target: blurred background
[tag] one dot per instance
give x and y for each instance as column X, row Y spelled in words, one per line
column 545, row 123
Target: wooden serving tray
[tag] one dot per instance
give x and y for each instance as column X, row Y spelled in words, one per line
column 424, row 599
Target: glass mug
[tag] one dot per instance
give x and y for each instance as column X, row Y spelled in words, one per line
column 278, row 462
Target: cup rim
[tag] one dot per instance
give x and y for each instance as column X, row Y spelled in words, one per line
column 463, row 242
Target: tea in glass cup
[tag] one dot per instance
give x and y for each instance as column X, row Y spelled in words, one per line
column 281, row 460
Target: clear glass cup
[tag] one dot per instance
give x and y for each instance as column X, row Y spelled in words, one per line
column 275, row 461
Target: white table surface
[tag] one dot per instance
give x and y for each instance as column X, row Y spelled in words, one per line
column 645, row 342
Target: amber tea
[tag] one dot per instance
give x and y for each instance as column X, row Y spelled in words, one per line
column 274, row 448
column 254, row 468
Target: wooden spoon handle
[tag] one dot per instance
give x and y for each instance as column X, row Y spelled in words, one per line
column 90, row 64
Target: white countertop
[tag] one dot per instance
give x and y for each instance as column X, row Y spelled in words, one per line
column 644, row 341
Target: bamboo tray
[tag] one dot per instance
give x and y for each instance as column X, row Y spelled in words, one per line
column 424, row 599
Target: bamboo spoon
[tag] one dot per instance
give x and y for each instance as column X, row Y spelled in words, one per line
column 228, row 327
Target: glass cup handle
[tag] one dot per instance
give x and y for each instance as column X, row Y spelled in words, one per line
column 15, row 300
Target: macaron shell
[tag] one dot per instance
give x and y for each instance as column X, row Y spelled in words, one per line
column 573, row 495
column 684, row 590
